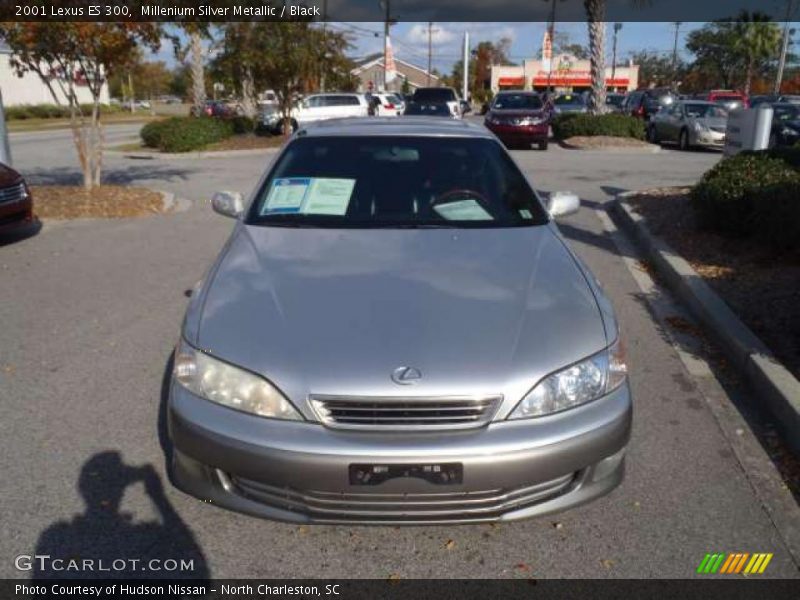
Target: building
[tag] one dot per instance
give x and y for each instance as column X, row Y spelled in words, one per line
column 566, row 73
column 30, row 89
column 370, row 69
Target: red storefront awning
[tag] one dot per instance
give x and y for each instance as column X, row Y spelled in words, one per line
column 503, row 81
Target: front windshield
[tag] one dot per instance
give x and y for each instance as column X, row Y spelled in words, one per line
column 401, row 182
column 703, row 111
column 786, row 113
column 517, row 101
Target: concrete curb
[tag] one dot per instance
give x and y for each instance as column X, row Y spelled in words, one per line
column 190, row 155
column 653, row 149
column 768, row 378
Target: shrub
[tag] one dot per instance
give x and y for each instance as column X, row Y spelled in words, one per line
column 776, row 214
column 573, row 124
column 184, row 134
column 51, row 111
column 725, row 198
column 242, row 124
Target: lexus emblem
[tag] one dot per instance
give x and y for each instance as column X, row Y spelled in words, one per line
column 406, row 375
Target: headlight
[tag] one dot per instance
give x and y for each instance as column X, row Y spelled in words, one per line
column 789, row 132
column 531, row 121
column 575, row 385
column 229, row 386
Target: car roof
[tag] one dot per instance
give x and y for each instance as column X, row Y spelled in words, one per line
column 389, row 126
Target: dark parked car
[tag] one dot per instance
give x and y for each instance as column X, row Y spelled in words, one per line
column 16, row 203
column 439, row 95
column 419, row 109
column 614, row 102
column 519, row 118
column 646, row 103
column 785, row 124
column 569, row 103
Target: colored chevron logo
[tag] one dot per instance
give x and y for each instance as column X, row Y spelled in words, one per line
column 735, row 562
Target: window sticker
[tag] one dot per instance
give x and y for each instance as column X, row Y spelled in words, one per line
column 463, row 210
column 286, row 195
column 328, row 196
column 309, row 196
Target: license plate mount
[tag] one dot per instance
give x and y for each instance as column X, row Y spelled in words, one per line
column 436, row 473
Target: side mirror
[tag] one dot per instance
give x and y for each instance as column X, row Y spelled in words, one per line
column 228, row 204
column 561, row 204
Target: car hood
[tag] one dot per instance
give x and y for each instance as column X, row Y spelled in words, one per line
column 8, row 176
column 324, row 311
column 517, row 112
column 718, row 122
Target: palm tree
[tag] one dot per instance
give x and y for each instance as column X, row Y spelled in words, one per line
column 757, row 39
column 595, row 16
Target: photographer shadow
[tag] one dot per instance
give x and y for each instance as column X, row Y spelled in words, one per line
column 108, row 537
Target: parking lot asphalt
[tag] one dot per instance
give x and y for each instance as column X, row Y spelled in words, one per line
column 89, row 313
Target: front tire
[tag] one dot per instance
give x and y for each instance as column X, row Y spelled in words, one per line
column 543, row 145
column 683, row 140
column 652, row 134
column 773, row 140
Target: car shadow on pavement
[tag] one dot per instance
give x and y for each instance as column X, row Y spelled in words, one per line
column 116, row 544
column 127, row 175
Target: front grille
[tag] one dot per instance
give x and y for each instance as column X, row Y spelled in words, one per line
column 15, row 193
column 410, row 507
column 451, row 412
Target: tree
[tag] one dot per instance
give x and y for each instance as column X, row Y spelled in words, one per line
column 290, row 58
column 66, row 55
column 758, row 40
column 714, row 50
column 729, row 53
column 149, row 79
column 595, row 16
column 656, row 69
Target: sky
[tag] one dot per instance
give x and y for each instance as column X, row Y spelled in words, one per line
column 410, row 40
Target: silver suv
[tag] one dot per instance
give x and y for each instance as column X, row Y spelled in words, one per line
column 396, row 332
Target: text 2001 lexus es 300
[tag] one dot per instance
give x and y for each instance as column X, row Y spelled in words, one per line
column 395, row 332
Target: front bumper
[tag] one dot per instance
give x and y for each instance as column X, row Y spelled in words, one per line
column 16, row 215
column 709, row 139
column 519, row 133
column 298, row 471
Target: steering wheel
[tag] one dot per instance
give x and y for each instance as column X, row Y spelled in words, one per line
column 471, row 194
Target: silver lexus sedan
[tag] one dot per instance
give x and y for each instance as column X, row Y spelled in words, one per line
column 396, row 332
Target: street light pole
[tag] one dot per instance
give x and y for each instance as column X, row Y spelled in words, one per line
column 787, row 33
column 430, row 50
column 675, row 48
column 324, row 44
column 617, row 27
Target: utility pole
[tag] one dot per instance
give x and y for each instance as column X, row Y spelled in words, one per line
column 552, row 35
column 617, row 27
column 787, row 33
column 324, row 44
column 387, row 5
column 465, row 88
column 430, row 50
column 675, row 49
